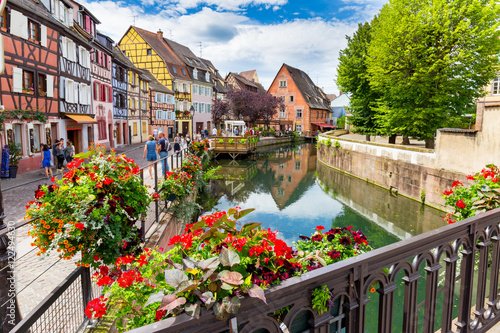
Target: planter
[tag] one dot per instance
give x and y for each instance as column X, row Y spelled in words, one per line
column 13, row 171
column 241, row 146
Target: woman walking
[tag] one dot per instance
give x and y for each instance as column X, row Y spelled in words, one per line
column 150, row 153
column 60, row 155
column 69, row 151
column 47, row 159
column 177, row 142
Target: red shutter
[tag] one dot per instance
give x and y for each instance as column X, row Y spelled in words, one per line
column 95, row 91
column 110, row 99
column 87, row 23
column 92, row 54
column 91, row 27
column 103, row 93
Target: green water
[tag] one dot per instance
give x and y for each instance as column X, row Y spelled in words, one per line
column 293, row 194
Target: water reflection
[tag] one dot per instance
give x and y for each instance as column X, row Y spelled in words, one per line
column 293, row 193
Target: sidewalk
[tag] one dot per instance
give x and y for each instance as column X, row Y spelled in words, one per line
column 39, row 175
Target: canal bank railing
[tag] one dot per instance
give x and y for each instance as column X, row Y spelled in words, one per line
column 63, row 309
column 448, row 280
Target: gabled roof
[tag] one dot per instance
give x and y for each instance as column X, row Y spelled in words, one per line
column 313, row 95
column 331, row 97
column 190, row 60
column 165, row 52
column 154, row 84
column 218, row 79
column 249, row 75
column 242, row 81
column 118, row 56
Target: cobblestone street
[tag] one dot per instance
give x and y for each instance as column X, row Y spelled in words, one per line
column 37, row 277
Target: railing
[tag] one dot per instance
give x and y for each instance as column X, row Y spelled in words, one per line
column 444, row 280
column 63, row 309
column 234, row 143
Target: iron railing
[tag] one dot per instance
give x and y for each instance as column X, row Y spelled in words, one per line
column 446, row 280
column 63, row 309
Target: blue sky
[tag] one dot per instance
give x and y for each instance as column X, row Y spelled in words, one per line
column 240, row 35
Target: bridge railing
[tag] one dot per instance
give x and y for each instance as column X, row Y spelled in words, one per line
column 444, row 280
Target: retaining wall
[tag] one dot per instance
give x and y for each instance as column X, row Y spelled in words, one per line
column 402, row 170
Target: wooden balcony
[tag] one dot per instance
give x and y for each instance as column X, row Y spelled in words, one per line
column 233, row 145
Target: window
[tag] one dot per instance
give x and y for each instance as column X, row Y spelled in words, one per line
column 183, row 71
column 207, row 77
column 281, row 178
column 174, row 70
column 298, row 128
column 282, row 98
column 195, row 105
column 299, row 113
column 33, row 31
column 291, row 98
column 281, row 191
column 149, row 52
column 281, row 165
column 17, row 136
column 496, row 86
column 97, row 91
column 195, row 73
column 289, row 179
column 144, row 127
column 35, row 139
column 317, row 114
column 3, row 20
column 297, row 165
column 28, row 81
column 282, row 84
column 282, row 113
column 144, row 106
column 42, row 84
column 135, row 129
column 144, row 85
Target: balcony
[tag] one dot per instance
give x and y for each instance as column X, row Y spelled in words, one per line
column 182, row 96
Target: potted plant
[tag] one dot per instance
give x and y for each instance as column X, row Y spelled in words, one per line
column 14, row 158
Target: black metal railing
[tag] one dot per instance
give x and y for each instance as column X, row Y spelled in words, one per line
column 63, row 309
column 445, row 280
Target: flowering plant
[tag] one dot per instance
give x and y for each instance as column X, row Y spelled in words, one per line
column 93, row 209
column 177, row 182
column 243, row 141
column 221, row 140
column 482, row 195
column 213, row 264
column 200, row 147
column 230, row 141
column 192, row 165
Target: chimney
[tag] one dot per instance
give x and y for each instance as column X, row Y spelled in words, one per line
column 160, row 34
column 340, row 92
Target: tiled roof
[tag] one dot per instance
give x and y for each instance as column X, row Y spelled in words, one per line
column 331, row 97
column 118, row 56
column 244, row 81
column 314, row 95
column 249, row 75
column 190, row 60
column 163, row 50
column 154, row 84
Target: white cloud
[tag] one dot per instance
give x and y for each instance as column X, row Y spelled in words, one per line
column 234, row 42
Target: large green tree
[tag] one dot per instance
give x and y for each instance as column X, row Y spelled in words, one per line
column 429, row 59
column 353, row 78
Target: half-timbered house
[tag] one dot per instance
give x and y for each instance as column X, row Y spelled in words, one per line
column 162, row 101
column 100, row 75
column 29, row 85
column 121, row 65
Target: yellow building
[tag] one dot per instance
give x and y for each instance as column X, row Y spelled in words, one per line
column 148, row 50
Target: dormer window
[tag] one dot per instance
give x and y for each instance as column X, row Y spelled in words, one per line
column 183, row 71
column 207, row 77
column 195, row 73
column 174, row 70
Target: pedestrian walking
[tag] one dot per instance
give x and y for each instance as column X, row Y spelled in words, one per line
column 214, row 131
column 164, row 147
column 60, row 156
column 150, row 149
column 69, row 151
column 47, row 161
column 207, row 135
column 177, row 143
column 188, row 139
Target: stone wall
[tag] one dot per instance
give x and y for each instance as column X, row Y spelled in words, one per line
column 403, row 171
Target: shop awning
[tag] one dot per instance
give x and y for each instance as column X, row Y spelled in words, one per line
column 82, row 119
column 323, row 125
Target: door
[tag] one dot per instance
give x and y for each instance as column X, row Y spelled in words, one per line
column 130, row 135
column 111, row 136
column 209, row 128
column 199, row 128
column 185, row 128
column 124, row 133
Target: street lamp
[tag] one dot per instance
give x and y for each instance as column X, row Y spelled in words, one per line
column 192, row 111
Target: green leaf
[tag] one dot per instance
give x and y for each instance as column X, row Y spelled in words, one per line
column 249, row 226
column 185, row 286
column 242, row 213
column 257, row 292
column 234, row 305
column 189, row 263
column 208, row 299
column 153, row 298
column 226, row 286
column 174, row 277
column 219, row 311
column 229, row 257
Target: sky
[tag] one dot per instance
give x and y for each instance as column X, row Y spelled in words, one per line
column 241, row 35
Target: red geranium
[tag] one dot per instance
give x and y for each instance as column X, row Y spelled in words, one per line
column 460, row 204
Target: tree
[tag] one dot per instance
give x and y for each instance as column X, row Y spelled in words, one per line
column 253, row 106
column 429, row 61
column 241, row 101
column 220, row 110
column 353, row 78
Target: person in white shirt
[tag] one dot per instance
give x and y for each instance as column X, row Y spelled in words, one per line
column 214, row 131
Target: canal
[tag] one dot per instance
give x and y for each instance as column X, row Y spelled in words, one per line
column 293, row 193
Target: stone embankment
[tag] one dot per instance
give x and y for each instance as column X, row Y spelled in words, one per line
column 405, row 170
